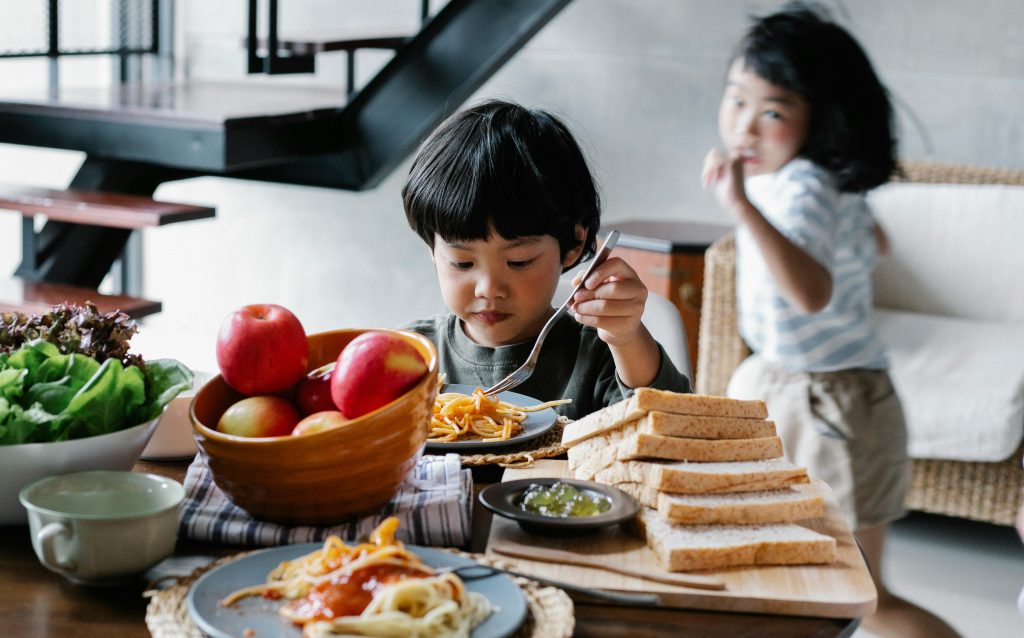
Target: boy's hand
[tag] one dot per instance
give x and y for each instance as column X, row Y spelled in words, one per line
column 612, row 300
column 724, row 173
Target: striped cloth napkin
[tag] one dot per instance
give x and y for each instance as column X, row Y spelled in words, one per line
column 433, row 506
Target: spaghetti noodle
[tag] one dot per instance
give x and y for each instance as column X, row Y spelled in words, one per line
column 478, row 416
column 372, row 589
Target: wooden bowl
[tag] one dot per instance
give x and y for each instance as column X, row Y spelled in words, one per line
column 322, row 477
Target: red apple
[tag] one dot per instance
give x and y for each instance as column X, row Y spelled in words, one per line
column 261, row 349
column 259, row 417
column 374, row 369
column 319, row 422
column 314, row 392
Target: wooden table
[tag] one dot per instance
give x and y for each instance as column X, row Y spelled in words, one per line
column 41, row 604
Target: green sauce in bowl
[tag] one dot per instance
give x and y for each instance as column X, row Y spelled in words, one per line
column 563, row 500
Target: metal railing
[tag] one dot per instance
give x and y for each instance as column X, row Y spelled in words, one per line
column 95, row 27
column 271, row 56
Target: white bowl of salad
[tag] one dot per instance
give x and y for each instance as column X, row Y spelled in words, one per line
column 72, row 398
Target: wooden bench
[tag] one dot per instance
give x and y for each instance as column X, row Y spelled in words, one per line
column 84, row 208
column 37, row 297
column 110, row 210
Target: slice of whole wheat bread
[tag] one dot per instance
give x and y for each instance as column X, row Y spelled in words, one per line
column 690, row 427
column 705, row 427
column 671, row 448
column 734, row 508
column 699, row 478
column 647, row 400
column 628, row 444
column 695, row 547
column 789, row 504
column 609, row 448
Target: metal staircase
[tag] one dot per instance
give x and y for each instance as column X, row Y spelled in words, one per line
column 454, row 53
column 138, row 135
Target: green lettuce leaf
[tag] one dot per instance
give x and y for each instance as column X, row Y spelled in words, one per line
column 12, row 384
column 109, row 399
column 165, row 379
column 30, row 357
column 49, row 396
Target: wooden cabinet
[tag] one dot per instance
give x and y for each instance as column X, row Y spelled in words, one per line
column 669, row 258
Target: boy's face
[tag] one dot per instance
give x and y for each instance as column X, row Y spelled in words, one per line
column 500, row 288
column 763, row 123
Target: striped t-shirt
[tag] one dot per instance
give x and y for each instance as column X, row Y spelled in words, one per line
column 802, row 202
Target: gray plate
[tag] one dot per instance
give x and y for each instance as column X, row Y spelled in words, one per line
column 260, row 614
column 535, row 425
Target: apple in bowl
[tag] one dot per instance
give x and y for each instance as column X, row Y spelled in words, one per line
column 319, row 422
column 332, row 474
column 374, row 369
column 259, row 417
column 314, row 392
column 262, row 349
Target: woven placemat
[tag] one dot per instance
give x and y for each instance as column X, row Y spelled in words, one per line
column 550, row 612
column 524, row 455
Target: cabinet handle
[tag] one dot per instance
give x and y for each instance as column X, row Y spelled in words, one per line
column 689, row 297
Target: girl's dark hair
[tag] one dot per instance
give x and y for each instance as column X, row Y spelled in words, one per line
column 850, row 131
column 500, row 164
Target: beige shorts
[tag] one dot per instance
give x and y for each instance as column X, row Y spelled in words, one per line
column 845, row 427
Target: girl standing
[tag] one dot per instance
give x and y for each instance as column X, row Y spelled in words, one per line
column 807, row 130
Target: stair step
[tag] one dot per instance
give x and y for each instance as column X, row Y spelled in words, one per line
column 313, row 44
column 31, row 297
column 96, row 208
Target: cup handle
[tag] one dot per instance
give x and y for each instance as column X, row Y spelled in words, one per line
column 47, row 538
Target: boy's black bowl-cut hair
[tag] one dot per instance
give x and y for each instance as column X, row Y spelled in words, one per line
column 502, row 165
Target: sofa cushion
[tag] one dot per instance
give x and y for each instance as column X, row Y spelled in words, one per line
column 961, row 383
column 955, row 249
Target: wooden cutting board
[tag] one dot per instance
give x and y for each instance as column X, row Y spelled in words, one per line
column 841, row 590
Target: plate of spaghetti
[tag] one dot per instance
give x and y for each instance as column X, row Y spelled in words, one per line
column 467, row 420
column 378, row 588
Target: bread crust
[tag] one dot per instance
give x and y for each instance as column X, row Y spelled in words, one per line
column 646, row 400
column 698, row 547
column 699, row 478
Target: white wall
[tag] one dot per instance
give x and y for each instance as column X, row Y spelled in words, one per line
column 638, row 80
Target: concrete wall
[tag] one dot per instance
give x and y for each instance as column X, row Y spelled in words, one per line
column 638, row 81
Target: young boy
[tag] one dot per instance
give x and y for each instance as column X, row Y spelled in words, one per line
column 504, row 198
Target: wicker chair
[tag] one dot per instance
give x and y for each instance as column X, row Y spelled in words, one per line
column 989, row 492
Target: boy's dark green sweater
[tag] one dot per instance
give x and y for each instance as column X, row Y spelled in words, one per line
column 574, row 364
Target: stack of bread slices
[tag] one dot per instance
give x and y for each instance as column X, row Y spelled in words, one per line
column 710, row 476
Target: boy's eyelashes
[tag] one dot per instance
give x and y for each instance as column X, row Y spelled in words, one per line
column 515, row 265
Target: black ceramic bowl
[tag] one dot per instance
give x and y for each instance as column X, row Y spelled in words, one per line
column 504, row 498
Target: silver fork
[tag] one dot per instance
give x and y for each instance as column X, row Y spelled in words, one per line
column 478, row 571
column 523, row 372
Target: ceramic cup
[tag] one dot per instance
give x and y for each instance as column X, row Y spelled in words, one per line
column 102, row 527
